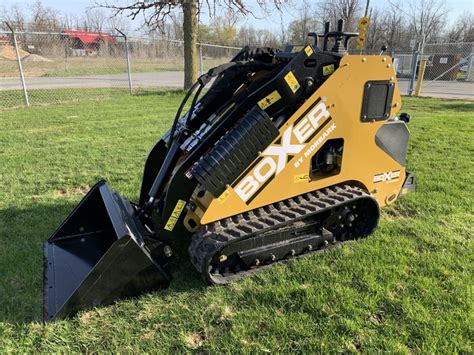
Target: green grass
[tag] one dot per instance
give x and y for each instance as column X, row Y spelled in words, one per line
column 13, row 99
column 86, row 66
column 407, row 288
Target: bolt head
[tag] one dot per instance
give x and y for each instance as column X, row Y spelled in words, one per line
column 167, row 251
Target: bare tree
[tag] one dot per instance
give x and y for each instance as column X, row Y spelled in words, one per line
column 16, row 17
column 298, row 29
column 283, row 31
column 374, row 31
column 462, row 30
column 348, row 10
column 156, row 13
column 119, row 22
column 426, row 17
column 388, row 26
column 95, row 20
column 247, row 36
column 44, row 18
column 223, row 29
column 394, row 29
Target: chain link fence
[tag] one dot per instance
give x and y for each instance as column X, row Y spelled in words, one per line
column 438, row 69
column 448, row 61
column 45, row 68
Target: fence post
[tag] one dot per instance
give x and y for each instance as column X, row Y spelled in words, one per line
column 469, row 65
column 200, row 58
column 414, row 63
column 20, row 67
column 66, row 48
column 129, row 72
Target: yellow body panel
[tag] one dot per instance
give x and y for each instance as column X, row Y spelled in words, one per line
column 362, row 159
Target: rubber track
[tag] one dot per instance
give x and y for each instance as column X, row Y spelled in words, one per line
column 212, row 237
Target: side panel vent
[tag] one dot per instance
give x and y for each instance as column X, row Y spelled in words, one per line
column 235, row 151
column 377, row 100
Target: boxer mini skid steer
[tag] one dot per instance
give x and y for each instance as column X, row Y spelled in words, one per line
column 287, row 153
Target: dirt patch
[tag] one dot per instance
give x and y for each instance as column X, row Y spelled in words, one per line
column 62, row 193
column 86, row 317
column 35, row 58
column 194, row 340
column 150, row 335
column 9, row 53
column 227, row 314
column 394, row 212
column 377, row 318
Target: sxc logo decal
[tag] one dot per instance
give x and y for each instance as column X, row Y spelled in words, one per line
column 275, row 157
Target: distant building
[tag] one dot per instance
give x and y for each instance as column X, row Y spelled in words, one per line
column 86, row 43
column 4, row 41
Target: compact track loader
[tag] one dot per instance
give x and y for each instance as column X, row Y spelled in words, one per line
column 287, row 153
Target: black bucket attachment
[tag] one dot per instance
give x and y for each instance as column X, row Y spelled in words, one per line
column 99, row 254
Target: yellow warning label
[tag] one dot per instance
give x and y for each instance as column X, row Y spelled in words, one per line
column 364, row 22
column 292, row 82
column 404, row 191
column 296, row 49
column 328, row 69
column 301, row 178
column 175, row 215
column 269, row 100
column 224, row 195
column 308, row 50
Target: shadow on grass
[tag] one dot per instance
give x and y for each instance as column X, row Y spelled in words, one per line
column 457, row 106
column 22, row 234
column 158, row 92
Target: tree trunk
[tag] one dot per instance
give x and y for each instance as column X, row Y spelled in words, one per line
column 190, row 38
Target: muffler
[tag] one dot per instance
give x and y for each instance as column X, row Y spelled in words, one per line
column 101, row 252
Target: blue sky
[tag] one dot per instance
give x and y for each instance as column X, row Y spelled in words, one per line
column 271, row 22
